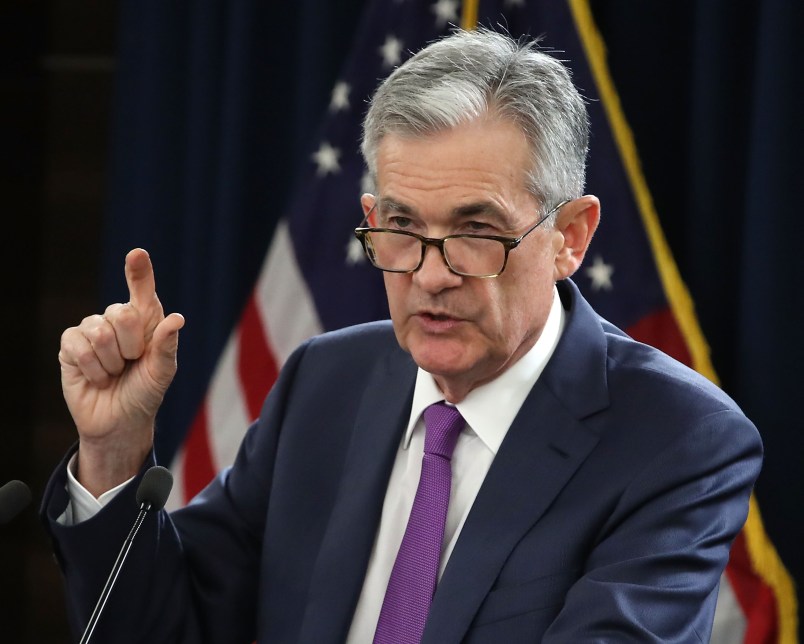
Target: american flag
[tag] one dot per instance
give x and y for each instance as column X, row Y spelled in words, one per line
column 315, row 277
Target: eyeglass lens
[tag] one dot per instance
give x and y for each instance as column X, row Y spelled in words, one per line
column 467, row 255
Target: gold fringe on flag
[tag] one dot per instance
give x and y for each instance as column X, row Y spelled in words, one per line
column 469, row 14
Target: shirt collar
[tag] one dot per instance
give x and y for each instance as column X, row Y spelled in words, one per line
column 490, row 409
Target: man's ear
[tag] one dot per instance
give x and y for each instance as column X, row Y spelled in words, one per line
column 577, row 223
column 367, row 201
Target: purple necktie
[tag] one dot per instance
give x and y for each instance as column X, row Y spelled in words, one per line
column 415, row 573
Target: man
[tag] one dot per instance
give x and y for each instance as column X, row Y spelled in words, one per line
column 499, row 464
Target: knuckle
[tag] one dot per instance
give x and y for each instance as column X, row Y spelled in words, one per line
column 111, row 311
column 71, row 340
column 124, row 316
column 84, row 356
column 128, row 315
column 91, row 321
column 102, row 336
column 67, row 336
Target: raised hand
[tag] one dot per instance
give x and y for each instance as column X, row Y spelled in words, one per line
column 115, row 370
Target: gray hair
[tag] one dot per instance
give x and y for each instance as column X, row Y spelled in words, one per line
column 470, row 74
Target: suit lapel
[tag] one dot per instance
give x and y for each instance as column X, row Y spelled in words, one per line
column 346, row 547
column 545, row 445
column 533, row 465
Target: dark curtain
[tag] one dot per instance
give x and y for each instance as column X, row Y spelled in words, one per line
column 218, row 104
column 216, row 107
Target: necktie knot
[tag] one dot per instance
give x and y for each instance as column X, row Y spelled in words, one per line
column 442, row 425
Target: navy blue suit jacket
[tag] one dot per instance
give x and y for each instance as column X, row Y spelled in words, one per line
column 607, row 514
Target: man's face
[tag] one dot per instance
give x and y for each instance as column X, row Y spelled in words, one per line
column 465, row 330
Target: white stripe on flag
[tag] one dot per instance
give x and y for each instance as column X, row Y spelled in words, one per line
column 228, row 416
column 284, row 301
column 288, row 317
column 730, row 624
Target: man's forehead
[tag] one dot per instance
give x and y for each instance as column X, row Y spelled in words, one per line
column 498, row 140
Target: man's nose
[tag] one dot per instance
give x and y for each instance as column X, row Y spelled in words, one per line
column 434, row 274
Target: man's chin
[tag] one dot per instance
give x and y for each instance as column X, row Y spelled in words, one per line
column 441, row 358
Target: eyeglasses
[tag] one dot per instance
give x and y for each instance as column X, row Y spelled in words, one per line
column 399, row 251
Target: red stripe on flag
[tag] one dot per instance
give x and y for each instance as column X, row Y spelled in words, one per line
column 256, row 366
column 660, row 330
column 755, row 597
column 198, row 467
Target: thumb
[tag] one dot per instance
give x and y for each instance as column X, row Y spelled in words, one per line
column 164, row 347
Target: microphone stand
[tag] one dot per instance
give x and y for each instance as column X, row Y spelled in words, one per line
column 118, row 564
column 152, row 493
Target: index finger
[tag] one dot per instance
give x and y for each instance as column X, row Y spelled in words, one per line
column 140, row 280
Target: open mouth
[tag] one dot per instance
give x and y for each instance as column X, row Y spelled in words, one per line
column 437, row 322
column 438, row 317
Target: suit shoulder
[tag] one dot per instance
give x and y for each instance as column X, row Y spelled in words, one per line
column 658, row 405
column 358, row 346
column 640, row 370
column 373, row 335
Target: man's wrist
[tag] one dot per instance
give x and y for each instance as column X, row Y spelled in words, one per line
column 83, row 505
column 103, row 467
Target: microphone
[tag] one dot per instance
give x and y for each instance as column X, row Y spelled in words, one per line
column 151, row 495
column 154, row 488
column 14, row 497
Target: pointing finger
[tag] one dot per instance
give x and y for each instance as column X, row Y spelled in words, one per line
column 140, row 280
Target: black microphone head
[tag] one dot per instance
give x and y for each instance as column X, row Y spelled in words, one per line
column 155, row 487
column 14, row 497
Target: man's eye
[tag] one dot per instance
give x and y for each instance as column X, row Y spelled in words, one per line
column 399, row 222
column 478, row 227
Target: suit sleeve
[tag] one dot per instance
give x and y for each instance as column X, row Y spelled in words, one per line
column 654, row 570
column 191, row 576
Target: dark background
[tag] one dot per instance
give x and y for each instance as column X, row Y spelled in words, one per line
column 713, row 92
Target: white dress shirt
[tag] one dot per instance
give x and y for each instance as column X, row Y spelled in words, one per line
column 488, row 411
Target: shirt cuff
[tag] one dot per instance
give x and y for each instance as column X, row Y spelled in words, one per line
column 82, row 504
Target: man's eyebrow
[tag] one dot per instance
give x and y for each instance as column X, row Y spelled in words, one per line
column 386, row 204
column 488, row 209
column 478, row 208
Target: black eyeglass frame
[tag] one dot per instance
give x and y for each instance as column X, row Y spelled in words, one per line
column 509, row 243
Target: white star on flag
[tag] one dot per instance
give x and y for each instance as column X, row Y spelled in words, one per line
column 326, row 157
column 600, row 274
column 391, row 51
column 354, row 252
column 446, row 11
column 340, row 97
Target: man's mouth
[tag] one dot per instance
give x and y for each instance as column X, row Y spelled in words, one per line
column 438, row 317
column 437, row 322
